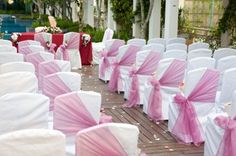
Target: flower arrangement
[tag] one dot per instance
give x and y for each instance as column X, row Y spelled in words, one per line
column 86, row 39
column 15, row 36
column 52, row 30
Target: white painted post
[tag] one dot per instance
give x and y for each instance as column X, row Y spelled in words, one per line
column 75, row 16
column 171, row 19
column 136, row 31
column 89, row 13
column 155, row 20
column 110, row 21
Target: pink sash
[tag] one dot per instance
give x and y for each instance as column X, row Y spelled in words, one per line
column 72, row 43
column 35, row 59
column 111, row 52
column 99, row 142
column 39, row 37
column 228, row 144
column 172, row 77
column 127, row 60
column 54, row 86
column 187, row 127
column 148, row 67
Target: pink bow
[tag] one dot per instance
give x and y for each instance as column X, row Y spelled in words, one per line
column 64, row 51
column 228, row 143
column 52, row 49
column 113, row 83
column 105, row 63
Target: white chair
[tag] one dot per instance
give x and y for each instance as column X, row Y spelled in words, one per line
column 158, row 41
column 199, row 53
column 28, row 42
column 123, row 63
column 175, row 40
column 5, row 42
column 137, row 41
column 11, row 57
column 51, row 67
column 112, row 138
column 37, row 142
column 169, row 76
column 18, row 82
column 107, row 57
column 176, row 46
column 45, row 40
column 198, row 45
column 30, row 49
column 23, row 111
column 7, row 49
column 188, row 113
column 60, row 83
column 223, row 52
column 97, row 47
column 154, row 47
column 178, row 54
column 69, row 50
column 223, row 64
column 17, row 67
column 38, row 57
column 201, row 62
column 145, row 67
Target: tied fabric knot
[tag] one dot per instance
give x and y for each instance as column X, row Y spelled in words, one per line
column 132, row 72
column 181, row 100
column 105, row 63
column 64, row 51
column 103, row 53
column 155, row 83
column 52, row 49
column 228, row 144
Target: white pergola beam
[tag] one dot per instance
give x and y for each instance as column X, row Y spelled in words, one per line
column 88, row 13
column 110, row 21
column 155, row 20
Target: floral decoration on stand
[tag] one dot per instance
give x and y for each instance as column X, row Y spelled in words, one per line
column 52, row 30
column 15, row 36
column 86, row 39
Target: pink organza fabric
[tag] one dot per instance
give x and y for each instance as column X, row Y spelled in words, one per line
column 228, row 144
column 25, row 50
column 72, row 43
column 46, row 68
column 71, row 115
column 127, row 60
column 172, row 77
column 99, row 142
column 54, row 86
column 111, row 52
column 148, row 67
column 187, row 127
column 35, row 59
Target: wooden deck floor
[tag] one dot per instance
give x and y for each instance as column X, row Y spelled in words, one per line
column 154, row 138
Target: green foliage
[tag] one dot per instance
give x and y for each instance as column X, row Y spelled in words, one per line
column 97, row 34
column 12, row 12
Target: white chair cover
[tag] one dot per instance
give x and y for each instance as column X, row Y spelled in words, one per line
column 175, row 40
column 107, row 57
column 50, row 67
column 60, row 83
column 168, row 87
column 223, row 52
column 36, row 142
column 71, row 41
column 17, row 67
column 201, row 109
column 108, row 139
column 178, row 54
column 45, row 40
column 18, row 82
column 158, row 41
column 7, row 49
column 154, row 47
column 11, row 57
column 198, row 45
column 137, row 41
column 23, row 111
column 37, row 58
column 28, row 42
column 199, row 53
column 176, row 46
column 5, row 42
column 31, row 49
column 201, row 62
column 98, row 47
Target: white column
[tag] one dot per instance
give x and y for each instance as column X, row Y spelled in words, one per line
column 155, row 20
column 136, row 26
column 89, row 12
column 171, row 19
column 110, row 21
column 75, row 16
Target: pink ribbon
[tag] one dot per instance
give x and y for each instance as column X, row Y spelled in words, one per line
column 52, row 49
column 105, row 63
column 228, row 144
column 113, row 83
column 65, row 54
